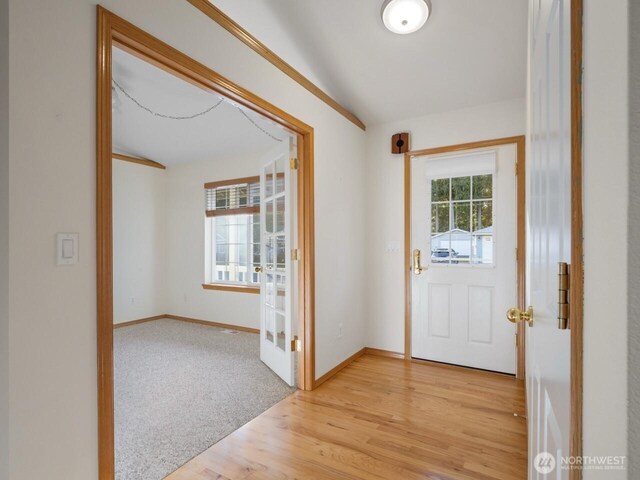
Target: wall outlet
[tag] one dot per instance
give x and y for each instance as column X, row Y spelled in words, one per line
column 133, row 300
column 340, row 330
column 184, row 297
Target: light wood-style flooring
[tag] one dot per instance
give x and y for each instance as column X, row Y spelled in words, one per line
column 381, row 418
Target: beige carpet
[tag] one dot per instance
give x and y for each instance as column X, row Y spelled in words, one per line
column 181, row 387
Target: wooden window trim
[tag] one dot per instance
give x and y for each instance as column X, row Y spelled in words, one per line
column 139, row 161
column 234, row 181
column 226, row 287
column 233, row 211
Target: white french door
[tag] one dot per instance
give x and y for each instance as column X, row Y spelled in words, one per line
column 548, row 235
column 463, row 235
column 277, row 286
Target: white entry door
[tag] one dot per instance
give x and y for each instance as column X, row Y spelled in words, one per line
column 549, row 233
column 463, row 234
column 276, row 287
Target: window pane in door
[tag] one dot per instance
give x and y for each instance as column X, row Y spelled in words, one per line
column 440, row 218
column 460, row 234
column 281, row 293
column 440, row 190
column 461, row 188
column 269, row 253
column 268, row 177
column 482, row 249
column 482, row 215
column 269, row 320
column 281, row 253
column 460, row 247
column 441, row 247
column 280, row 335
column 281, row 164
column 270, row 290
column 482, row 242
column 462, row 216
column 482, row 186
column 280, row 214
column 269, row 216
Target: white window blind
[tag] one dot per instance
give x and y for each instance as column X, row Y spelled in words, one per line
column 232, row 197
column 470, row 164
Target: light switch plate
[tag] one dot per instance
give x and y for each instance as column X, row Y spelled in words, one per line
column 67, row 245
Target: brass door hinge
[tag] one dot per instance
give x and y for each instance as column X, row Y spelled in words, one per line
column 563, row 296
column 296, row 344
column 294, row 163
column 516, row 169
column 295, row 254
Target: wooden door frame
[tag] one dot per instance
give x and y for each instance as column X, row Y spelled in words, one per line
column 519, row 142
column 576, row 271
column 115, row 31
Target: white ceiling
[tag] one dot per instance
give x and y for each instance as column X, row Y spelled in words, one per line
column 470, row 52
column 222, row 133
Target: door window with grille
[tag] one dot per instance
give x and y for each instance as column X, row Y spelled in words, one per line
column 462, row 220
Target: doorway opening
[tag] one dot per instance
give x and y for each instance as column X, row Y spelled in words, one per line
column 246, row 234
column 465, row 254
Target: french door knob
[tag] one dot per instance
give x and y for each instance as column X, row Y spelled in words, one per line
column 257, row 269
column 515, row 315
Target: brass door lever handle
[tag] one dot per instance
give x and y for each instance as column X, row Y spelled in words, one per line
column 417, row 264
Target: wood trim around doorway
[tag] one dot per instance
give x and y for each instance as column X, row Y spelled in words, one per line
column 115, row 31
column 218, row 16
column 576, row 274
column 519, row 141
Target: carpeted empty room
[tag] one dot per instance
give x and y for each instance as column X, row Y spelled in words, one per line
column 179, row 388
column 204, row 313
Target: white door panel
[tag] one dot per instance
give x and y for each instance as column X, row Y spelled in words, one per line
column 548, row 229
column 458, row 302
column 276, row 286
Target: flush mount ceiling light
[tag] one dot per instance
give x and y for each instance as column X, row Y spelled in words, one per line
column 405, row 16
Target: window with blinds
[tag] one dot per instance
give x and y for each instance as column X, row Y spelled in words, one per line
column 232, row 197
column 232, row 209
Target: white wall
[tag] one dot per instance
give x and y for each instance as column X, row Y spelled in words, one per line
column 385, row 205
column 4, row 239
column 159, row 242
column 606, row 164
column 52, row 311
column 185, row 235
column 634, row 239
column 258, row 18
column 139, row 241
